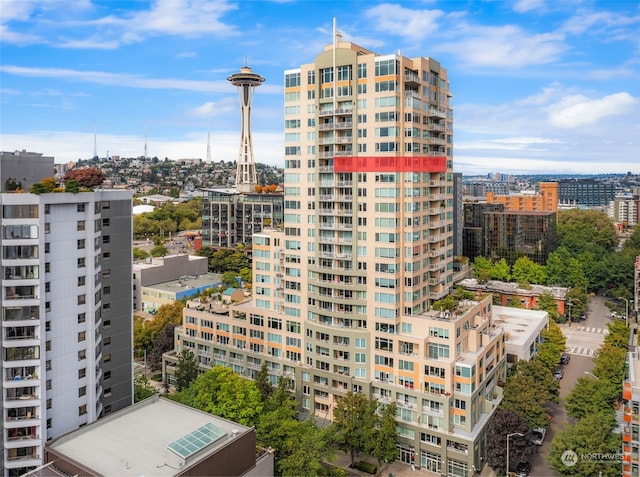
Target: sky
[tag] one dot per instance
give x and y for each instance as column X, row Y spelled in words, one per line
column 538, row 86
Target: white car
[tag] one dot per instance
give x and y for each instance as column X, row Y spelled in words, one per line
column 537, row 435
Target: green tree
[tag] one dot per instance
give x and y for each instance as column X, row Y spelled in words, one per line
column 229, row 279
column 72, row 185
column 382, row 444
column 557, row 267
column 547, row 302
column 525, row 271
column 353, row 423
column 529, row 398
column 609, row 366
column 448, row 303
column 187, row 369
column 553, row 345
column 142, row 388
column 592, row 434
column 588, row 396
column 221, row 392
column 482, row 269
column 586, row 230
column 140, row 254
column 305, row 451
column 547, row 388
column 263, row 384
column 159, row 251
column 502, row 270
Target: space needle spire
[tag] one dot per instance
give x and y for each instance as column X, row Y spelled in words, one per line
column 246, row 81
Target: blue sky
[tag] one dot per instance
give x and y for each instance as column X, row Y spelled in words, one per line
column 539, row 86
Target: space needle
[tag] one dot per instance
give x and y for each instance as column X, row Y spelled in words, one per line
column 246, row 81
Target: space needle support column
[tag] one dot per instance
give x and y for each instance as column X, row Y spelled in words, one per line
column 246, row 81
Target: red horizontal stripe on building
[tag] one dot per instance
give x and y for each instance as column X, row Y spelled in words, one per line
column 390, row 164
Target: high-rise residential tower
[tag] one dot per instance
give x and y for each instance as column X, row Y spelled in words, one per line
column 343, row 294
column 66, row 317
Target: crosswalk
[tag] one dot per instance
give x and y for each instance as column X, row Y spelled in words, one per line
column 593, row 329
column 581, row 351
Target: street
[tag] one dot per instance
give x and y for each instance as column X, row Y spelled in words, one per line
column 583, row 339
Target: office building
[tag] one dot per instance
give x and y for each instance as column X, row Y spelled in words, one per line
column 343, row 293
column 161, row 438
column 546, row 199
column 512, row 234
column 164, row 269
column 473, row 226
column 585, row 193
column 458, row 211
column 66, row 317
column 22, row 169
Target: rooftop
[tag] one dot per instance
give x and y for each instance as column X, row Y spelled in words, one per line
column 519, row 324
column 155, row 437
column 187, row 282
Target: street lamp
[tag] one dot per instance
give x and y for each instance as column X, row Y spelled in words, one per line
column 508, row 437
column 626, row 314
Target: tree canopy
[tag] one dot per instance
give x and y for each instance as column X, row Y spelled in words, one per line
column 86, row 176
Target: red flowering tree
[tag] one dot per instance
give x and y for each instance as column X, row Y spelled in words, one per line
column 86, row 177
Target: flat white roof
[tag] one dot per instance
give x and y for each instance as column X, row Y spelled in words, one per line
column 134, row 442
column 519, row 324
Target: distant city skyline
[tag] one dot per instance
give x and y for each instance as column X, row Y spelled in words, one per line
column 538, row 87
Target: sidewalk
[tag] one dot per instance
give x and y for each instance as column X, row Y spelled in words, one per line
column 396, row 468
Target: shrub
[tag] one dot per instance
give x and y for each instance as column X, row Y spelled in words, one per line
column 366, row 467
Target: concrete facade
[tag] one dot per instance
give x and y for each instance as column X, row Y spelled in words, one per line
column 27, row 168
column 66, row 317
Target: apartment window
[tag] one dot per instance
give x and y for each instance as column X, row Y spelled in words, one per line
column 82, row 299
column 106, row 324
column 81, row 263
column 106, row 290
column 47, row 306
column 47, row 208
column 47, row 267
column 82, row 317
column 80, row 207
column 48, row 403
column 82, row 336
column 107, row 358
column 106, row 222
column 47, row 365
column 82, row 373
column 47, row 228
column 81, row 244
column 48, row 345
column 106, row 239
column 106, row 204
column 107, row 375
column 106, row 273
column 82, row 410
column 47, row 247
column 82, row 281
column 47, row 326
column 106, row 341
column 81, row 225
column 107, row 392
column 49, row 423
column 106, row 255
column 48, row 385
column 82, row 391
column 47, row 287
column 82, row 354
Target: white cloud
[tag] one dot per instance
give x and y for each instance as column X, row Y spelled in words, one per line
column 413, row 24
column 524, row 6
column 578, row 110
column 505, row 46
column 225, row 106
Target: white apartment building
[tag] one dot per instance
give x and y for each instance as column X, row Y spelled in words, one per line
column 66, row 335
column 343, row 293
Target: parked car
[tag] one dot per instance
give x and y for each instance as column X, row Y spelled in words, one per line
column 565, row 358
column 537, row 435
column 558, row 373
column 583, row 316
column 523, row 469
